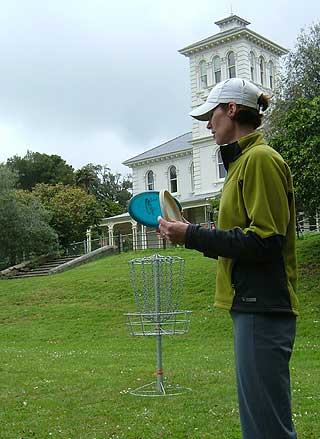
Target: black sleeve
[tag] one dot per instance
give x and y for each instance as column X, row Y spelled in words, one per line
column 233, row 244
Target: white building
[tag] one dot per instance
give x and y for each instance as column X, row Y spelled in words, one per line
column 190, row 166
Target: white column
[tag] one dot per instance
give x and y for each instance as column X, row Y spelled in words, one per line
column 205, row 214
column 224, row 70
column 88, row 234
column 209, row 74
column 134, row 236
column 144, row 244
column 110, row 231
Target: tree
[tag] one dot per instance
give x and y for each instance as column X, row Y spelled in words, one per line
column 298, row 139
column 36, row 168
column 116, row 188
column 111, row 190
column 110, row 208
column 73, row 210
column 302, row 67
column 88, row 178
column 8, row 178
column 24, row 223
column 215, row 206
column 293, row 126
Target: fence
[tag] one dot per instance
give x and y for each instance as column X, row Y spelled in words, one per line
column 124, row 242
column 152, row 240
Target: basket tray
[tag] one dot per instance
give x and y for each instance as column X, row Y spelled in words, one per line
column 171, row 323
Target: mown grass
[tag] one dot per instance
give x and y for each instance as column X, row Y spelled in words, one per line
column 67, row 360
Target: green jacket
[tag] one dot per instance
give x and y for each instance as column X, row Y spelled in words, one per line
column 255, row 238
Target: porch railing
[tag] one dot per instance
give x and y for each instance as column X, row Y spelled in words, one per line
column 150, row 239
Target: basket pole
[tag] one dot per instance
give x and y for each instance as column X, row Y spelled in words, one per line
column 159, row 372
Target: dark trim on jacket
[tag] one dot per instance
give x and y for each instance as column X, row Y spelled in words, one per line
column 230, row 153
column 233, row 244
column 258, row 272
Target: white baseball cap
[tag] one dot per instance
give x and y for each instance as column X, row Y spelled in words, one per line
column 235, row 90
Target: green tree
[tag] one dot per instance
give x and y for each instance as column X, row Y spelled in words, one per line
column 73, row 210
column 36, row 168
column 298, row 138
column 215, row 206
column 116, row 188
column 8, row 178
column 110, row 208
column 87, row 177
column 24, row 223
column 111, row 190
column 293, row 126
column 302, row 68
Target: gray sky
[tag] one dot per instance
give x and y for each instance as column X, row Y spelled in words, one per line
column 100, row 81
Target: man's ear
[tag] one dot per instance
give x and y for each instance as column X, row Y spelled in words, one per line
column 232, row 110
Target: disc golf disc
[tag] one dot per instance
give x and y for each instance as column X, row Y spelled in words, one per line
column 170, row 207
column 146, row 207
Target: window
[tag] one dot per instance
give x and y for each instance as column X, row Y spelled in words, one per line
column 271, row 74
column 173, row 179
column 231, row 65
column 262, row 70
column 150, row 181
column 216, row 69
column 203, row 75
column 221, row 169
column 252, row 66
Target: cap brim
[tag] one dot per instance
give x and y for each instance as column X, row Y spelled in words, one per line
column 203, row 111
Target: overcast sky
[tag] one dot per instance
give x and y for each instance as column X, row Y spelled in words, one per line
column 101, row 81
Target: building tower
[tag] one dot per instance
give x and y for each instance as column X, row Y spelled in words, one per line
column 190, row 166
column 235, row 51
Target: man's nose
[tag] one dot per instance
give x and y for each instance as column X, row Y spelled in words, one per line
column 209, row 125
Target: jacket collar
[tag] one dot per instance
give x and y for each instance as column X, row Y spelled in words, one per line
column 232, row 151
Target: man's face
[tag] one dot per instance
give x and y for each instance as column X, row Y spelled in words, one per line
column 221, row 125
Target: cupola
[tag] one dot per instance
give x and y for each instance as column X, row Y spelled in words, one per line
column 231, row 22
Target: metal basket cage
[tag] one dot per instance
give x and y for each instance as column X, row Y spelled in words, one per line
column 157, row 284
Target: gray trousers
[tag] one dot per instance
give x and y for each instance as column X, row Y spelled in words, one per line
column 263, row 346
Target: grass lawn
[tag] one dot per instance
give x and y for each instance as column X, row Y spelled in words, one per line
column 67, row 360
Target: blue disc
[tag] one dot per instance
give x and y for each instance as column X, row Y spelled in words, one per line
column 145, row 208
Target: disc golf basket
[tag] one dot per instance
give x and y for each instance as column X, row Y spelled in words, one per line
column 157, row 284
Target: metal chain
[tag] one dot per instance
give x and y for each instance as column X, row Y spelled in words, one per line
column 158, row 283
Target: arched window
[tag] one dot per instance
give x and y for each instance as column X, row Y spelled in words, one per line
column 262, row 65
column 150, row 181
column 252, row 66
column 192, row 176
column 221, row 169
column 231, row 65
column 271, row 74
column 203, row 75
column 173, row 179
column 216, row 69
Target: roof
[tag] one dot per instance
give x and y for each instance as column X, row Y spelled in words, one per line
column 123, row 217
column 232, row 19
column 236, row 32
column 199, row 197
column 178, row 144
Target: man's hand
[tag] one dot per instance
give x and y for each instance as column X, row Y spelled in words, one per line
column 173, row 231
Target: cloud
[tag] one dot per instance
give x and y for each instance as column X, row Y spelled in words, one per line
column 79, row 76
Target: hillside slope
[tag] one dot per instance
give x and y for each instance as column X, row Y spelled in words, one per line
column 68, row 361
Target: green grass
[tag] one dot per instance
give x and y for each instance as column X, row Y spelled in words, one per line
column 67, row 360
